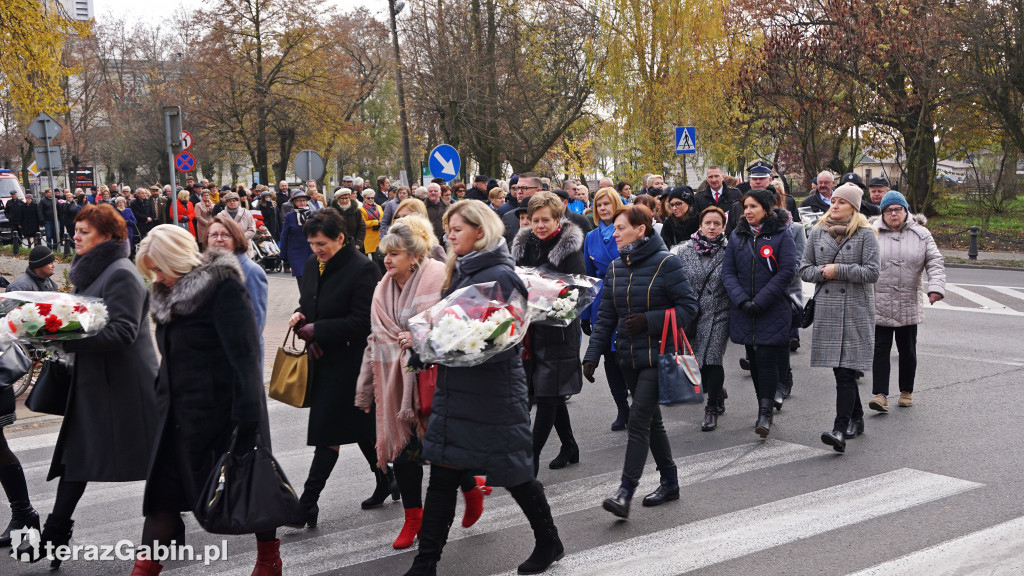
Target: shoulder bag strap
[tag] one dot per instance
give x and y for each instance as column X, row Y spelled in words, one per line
column 670, row 319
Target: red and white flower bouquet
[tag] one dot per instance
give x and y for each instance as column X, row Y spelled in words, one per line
column 556, row 299
column 42, row 317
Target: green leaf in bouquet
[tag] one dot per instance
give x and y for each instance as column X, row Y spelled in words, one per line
column 501, row 329
column 71, row 327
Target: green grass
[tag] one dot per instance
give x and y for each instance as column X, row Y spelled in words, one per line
column 1003, row 232
column 7, row 250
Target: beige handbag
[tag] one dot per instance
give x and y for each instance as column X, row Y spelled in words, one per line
column 288, row 381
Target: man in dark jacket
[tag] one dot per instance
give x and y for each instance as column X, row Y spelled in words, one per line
column 381, row 196
column 585, row 224
column 528, row 185
column 716, row 193
column 479, row 190
column 269, row 212
column 37, row 276
column 760, row 178
column 29, row 220
column 435, row 210
column 821, row 199
column 12, row 209
column 47, row 212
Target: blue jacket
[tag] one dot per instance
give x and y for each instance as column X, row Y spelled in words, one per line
column 649, row 280
column 750, row 275
column 294, row 246
column 599, row 251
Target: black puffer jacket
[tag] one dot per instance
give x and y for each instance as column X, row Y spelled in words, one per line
column 480, row 419
column 650, row 280
column 553, row 364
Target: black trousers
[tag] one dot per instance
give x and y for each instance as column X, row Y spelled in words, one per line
column 616, row 382
column 646, row 429
column 713, row 378
column 906, row 345
column 847, row 398
column 764, row 369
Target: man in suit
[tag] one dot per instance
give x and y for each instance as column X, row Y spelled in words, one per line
column 716, row 193
column 528, row 185
column 821, row 199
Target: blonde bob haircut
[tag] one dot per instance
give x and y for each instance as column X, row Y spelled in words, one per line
column 480, row 216
column 413, row 235
column 546, row 200
column 613, row 196
column 413, row 205
column 170, row 248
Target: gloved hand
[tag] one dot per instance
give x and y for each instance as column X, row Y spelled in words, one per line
column 636, row 324
column 415, row 362
column 315, row 350
column 247, row 432
column 751, row 308
column 306, row 333
column 588, row 370
column 586, row 327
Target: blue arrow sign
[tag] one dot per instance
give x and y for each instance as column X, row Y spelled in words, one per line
column 184, row 162
column 445, row 162
column 686, row 140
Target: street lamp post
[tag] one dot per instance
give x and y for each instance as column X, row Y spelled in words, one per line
column 396, row 7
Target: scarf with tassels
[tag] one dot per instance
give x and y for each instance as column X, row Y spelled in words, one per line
column 383, row 378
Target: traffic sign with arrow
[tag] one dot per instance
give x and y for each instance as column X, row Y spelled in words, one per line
column 186, row 140
column 445, row 162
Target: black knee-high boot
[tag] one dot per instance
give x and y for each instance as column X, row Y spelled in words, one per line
column 438, row 515
column 324, row 459
column 547, row 547
column 385, row 478
column 12, row 477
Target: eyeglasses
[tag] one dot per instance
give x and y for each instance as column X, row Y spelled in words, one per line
column 893, row 210
column 675, row 204
column 220, row 235
column 524, row 188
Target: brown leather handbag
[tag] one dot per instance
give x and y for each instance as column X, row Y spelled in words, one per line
column 289, row 380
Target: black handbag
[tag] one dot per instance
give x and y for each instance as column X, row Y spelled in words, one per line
column 807, row 314
column 246, row 493
column 50, row 393
column 14, row 364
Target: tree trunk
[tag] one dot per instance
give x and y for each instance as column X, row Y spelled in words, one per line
column 919, row 141
column 1008, row 170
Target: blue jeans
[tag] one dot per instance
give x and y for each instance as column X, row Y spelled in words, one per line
column 51, row 233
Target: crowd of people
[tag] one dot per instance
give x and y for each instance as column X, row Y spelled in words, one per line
column 726, row 261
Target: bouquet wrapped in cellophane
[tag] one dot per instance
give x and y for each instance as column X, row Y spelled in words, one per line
column 469, row 326
column 556, row 299
column 41, row 318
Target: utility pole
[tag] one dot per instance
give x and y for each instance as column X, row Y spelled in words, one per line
column 395, row 8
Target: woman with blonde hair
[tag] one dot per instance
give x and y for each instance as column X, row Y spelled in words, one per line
column 481, row 429
column 842, row 260
column 209, row 370
column 415, row 206
column 411, row 285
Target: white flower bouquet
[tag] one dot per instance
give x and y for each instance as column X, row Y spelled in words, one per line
column 469, row 327
column 556, row 299
column 42, row 317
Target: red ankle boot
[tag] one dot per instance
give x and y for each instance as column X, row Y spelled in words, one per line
column 411, row 528
column 268, row 558
column 474, row 506
column 146, row 568
column 482, row 483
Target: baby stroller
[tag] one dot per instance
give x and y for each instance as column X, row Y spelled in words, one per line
column 265, row 251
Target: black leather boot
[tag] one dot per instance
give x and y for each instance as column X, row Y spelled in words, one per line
column 569, row 454
column 710, row 417
column 23, row 515
column 780, row 396
column 386, row 484
column 667, row 491
column 764, row 418
column 56, row 532
column 619, row 504
column 438, row 515
column 721, row 401
column 856, row 428
column 787, row 383
column 324, row 459
column 835, row 440
column 622, row 418
column 548, row 547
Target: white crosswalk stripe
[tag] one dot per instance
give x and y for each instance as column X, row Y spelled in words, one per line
column 969, row 299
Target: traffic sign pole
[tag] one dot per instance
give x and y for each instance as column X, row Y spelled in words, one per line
column 170, row 111
column 49, row 172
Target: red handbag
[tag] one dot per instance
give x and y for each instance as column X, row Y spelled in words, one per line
column 426, row 382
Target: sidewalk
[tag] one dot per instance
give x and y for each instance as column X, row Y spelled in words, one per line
column 984, row 255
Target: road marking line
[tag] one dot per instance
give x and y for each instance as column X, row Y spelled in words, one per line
column 976, row 298
column 1008, row 291
column 987, row 286
column 714, row 540
column 973, row 359
column 1002, row 312
column 369, row 543
column 995, row 550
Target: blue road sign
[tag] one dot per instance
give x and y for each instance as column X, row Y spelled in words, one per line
column 686, row 140
column 445, row 162
column 184, row 162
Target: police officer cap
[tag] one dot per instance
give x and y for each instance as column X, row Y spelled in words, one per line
column 760, row 168
column 851, row 177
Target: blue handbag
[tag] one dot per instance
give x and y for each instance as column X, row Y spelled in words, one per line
column 678, row 374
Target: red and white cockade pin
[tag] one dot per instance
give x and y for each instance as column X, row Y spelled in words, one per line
column 769, row 256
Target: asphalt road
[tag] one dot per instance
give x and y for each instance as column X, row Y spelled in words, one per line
column 932, row 489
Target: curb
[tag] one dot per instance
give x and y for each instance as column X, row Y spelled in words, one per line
column 983, row 267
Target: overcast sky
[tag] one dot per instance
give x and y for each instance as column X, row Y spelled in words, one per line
column 155, row 11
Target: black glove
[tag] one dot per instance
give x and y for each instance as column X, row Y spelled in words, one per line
column 588, row 370
column 307, row 332
column 414, row 361
column 751, row 308
column 246, row 440
column 586, row 327
column 636, row 324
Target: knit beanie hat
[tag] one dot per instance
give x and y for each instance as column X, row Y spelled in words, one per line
column 893, row 197
column 40, row 256
column 851, row 193
column 765, row 198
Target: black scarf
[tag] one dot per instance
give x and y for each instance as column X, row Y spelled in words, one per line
column 86, row 268
column 703, row 246
column 628, row 249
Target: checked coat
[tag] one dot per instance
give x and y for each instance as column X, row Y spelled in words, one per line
column 844, row 314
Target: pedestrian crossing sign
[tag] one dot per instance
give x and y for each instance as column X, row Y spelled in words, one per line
column 686, row 139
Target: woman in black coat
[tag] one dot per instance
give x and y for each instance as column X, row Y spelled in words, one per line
column 639, row 288
column 145, row 215
column 210, row 374
column 552, row 360
column 760, row 262
column 335, row 293
column 112, row 380
column 682, row 221
column 480, row 421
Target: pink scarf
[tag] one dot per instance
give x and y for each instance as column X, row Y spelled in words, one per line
column 383, row 378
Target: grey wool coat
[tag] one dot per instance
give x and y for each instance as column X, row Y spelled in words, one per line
column 844, row 314
column 705, row 274
column 906, row 254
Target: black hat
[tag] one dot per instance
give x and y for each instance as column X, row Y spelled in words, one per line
column 513, row 180
column 40, row 256
column 521, row 210
column 561, row 194
column 760, row 169
column 879, row 181
column 765, row 198
column 225, row 188
column 481, row 178
column 492, row 184
column 851, row 177
column 684, row 193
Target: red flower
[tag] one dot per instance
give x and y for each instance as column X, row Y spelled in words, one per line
column 80, row 308
column 12, row 326
column 44, row 309
column 53, row 323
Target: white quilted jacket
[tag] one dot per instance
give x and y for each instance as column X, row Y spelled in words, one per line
column 907, row 254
